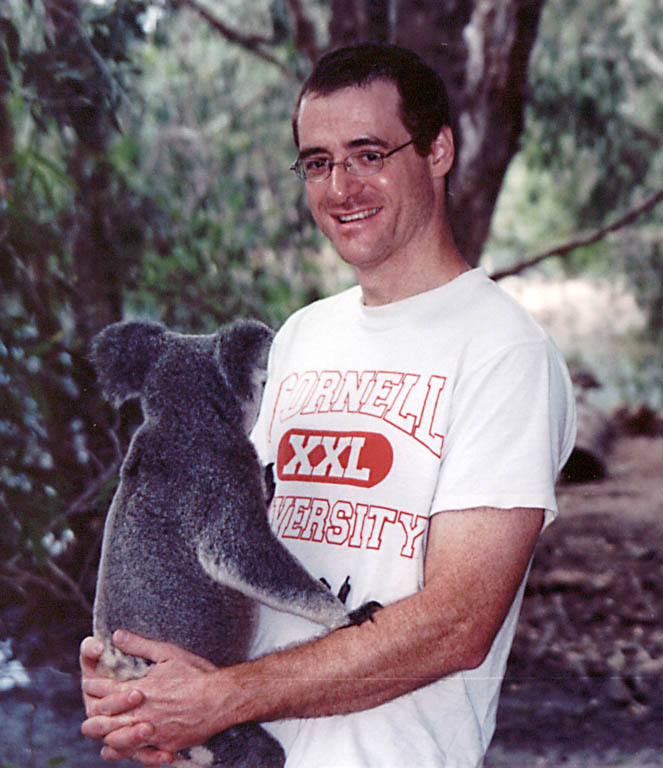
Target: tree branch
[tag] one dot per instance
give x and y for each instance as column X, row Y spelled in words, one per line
column 583, row 240
column 252, row 43
column 642, row 132
column 304, row 32
column 16, row 577
column 76, row 592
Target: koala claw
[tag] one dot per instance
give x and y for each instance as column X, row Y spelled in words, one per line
column 270, row 484
column 344, row 591
column 363, row 613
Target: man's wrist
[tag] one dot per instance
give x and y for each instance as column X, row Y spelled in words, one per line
column 236, row 695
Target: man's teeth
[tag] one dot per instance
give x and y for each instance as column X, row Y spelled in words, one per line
column 358, row 216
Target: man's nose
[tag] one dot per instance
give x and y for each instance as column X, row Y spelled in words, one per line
column 341, row 182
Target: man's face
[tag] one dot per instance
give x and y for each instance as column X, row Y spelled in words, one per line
column 369, row 219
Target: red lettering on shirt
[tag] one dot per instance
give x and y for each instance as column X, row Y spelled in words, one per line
column 350, row 458
column 345, row 524
column 407, row 401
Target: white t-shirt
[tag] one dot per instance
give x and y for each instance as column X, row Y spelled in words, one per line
column 377, row 418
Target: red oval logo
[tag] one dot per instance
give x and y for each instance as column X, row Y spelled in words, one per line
column 348, row 458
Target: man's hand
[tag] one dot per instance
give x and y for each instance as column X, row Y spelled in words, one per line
column 169, row 707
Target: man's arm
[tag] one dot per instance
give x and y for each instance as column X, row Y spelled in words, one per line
column 475, row 561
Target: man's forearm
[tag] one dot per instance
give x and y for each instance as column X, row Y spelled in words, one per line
column 474, row 567
column 354, row 668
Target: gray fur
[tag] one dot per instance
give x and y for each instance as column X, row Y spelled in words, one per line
column 187, row 547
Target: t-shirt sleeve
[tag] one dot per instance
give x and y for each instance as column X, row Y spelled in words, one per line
column 511, row 431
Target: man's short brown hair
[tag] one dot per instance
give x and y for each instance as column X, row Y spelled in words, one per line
column 424, row 100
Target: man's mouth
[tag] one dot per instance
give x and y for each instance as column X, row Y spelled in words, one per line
column 346, row 218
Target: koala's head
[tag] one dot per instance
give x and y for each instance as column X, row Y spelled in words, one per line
column 183, row 375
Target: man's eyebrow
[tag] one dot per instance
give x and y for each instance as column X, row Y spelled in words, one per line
column 313, row 151
column 365, row 141
column 361, row 141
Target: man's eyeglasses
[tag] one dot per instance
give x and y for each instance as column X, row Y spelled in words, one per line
column 365, row 162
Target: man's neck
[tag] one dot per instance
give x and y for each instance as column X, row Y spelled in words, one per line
column 392, row 282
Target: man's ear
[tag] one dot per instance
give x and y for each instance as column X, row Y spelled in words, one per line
column 442, row 152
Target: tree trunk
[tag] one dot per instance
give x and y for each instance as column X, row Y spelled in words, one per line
column 481, row 48
column 96, row 299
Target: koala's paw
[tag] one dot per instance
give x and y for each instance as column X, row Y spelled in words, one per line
column 120, row 666
column 363, row 613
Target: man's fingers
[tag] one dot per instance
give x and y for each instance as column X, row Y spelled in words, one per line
column 90, row 651
column 110, row 703
column 153, row 756
column 108, row 753
column 100, row 726
column 147, row 755
column 99, row 686
column 135, row 645
column 130, row 739
column 131, row 743
column 156, row 651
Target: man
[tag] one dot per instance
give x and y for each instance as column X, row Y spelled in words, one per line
column 417, row 423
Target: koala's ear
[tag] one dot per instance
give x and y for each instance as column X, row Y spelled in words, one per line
column 122, row 355
column 241, row 353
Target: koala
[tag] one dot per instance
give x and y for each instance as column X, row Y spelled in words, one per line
column 187, row 549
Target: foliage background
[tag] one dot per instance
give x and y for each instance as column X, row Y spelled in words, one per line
column 144, row 150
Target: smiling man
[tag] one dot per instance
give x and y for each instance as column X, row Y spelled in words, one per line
column 390, row 225
column 417, row 423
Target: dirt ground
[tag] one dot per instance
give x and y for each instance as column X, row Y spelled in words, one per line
column 584, row 686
